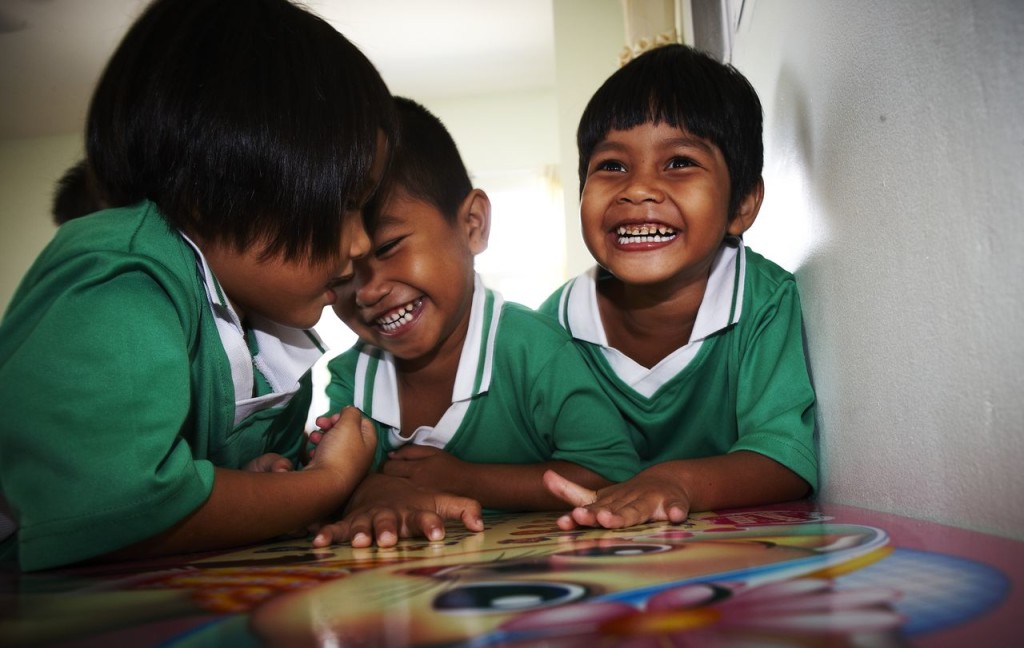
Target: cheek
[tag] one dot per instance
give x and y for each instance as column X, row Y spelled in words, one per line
column 345, row 309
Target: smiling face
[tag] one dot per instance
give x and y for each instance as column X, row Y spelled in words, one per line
column 413, row 293
column 654, row 208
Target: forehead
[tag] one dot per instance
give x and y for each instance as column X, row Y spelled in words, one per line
column 402, row 209
column 653, row 135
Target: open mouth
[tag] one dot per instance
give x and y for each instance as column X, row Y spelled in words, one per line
column 399, row 317
column 646, row 233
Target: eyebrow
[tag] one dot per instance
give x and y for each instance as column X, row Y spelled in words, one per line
column 382, row 222
column 685, row 141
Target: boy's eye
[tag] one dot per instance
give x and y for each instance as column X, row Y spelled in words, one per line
column 609, row 165
column 681, row 163
column 387, row 246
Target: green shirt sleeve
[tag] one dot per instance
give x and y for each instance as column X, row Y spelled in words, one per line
column 775, row 402
column 94, row 360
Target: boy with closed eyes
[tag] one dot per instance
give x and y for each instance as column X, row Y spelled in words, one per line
column 472, row 397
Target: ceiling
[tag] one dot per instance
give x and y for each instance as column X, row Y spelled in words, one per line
column 52, row 51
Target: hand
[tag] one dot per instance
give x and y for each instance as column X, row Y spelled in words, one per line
column 346, row 445
column 387, row 508
column 646, row 497
column 270, row 462
column 428, row 467
column 323, row 424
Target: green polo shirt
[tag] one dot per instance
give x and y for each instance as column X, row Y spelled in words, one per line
column 741, row 383
column 117, row 396
column 523, row 395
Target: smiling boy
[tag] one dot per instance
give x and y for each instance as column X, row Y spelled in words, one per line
column 697, row 338
column 471, row 395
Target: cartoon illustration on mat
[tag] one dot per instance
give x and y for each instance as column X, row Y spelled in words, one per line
column 784, row 577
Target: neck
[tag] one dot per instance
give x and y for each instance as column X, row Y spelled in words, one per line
column 648, row 323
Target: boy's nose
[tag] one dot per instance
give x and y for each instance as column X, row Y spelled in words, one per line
column 641, row 188
column 370, row 293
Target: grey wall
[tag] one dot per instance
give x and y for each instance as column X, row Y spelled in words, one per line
column 894, row 150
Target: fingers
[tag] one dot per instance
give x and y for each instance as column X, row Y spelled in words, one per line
column 270, row 462
column 329, row 534
column 394, row 468
column 327, row 422
column 412, row 451
column 677, row 511
column 362, row 529
column 281, row 464
column 566, row 522
column 427, row 524
column 629, row 510
column 349, row 417
column 568, row 491
column 368, row 432
column 469, row 512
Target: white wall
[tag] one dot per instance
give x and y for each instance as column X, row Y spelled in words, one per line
column 894, row 168
column 29, row 169
column 586, row 53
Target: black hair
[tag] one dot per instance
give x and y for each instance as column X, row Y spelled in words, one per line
column 247, row 122
column 75, row 194
column 426, row 164
column 685, row 88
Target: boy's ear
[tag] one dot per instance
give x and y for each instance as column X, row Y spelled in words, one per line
column 746, row 214
column 475, row 219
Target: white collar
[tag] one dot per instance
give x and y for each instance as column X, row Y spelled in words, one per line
column 720, row 308
column 284, row 353
column 376, row 381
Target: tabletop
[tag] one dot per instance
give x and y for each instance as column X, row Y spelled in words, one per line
column 797, row 574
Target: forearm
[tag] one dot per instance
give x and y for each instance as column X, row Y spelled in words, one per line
column 247, row 507
column 740, row 478
column 520, row 487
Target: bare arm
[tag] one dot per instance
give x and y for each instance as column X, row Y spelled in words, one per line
column 246, row 507
column 511, row 487
column 673, row 489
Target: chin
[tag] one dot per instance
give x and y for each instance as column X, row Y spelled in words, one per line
column 301, row 321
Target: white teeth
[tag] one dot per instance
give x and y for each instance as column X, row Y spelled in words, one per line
column 645, row 233
column 398, row 317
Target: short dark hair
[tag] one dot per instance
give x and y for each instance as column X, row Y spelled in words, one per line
column 247, row 122
column 426, row 164
column 682, row 87
column 75, row 194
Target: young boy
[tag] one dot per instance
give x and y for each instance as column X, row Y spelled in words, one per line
column 471, row 395
column 150, row 359
column 698, row 338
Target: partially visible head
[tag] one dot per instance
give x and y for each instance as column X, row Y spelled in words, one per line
column 75, row 194
column 413, row 293
column 250, row 123
column 687, row 89
column 426, row 164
